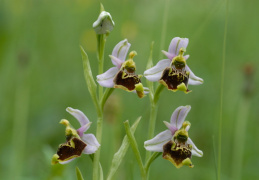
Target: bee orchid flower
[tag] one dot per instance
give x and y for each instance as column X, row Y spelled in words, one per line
column 76, row 141
column 173, row 72
column 123, row 74
column 175, row 143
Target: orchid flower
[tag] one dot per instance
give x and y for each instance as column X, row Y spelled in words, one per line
column 173, row 72
column 123, row 74
column 76, row 141
column 176, row 145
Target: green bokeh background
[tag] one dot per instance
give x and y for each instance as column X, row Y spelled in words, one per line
column 41, row 74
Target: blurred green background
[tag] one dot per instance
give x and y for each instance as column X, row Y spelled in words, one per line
column 41, row 74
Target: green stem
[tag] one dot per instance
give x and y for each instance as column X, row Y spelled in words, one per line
column 152, row 123
column 99, row 130
column 222, row 91
column 100, row 167
column 100, row 55
column 239, row 138
column 215, row 157
column 153, row 115
column 135, row 149
column 157, row 93
column 106, row 95
column 151, row 159
column 164, row 26
column 20, row 123
column 100, row 50
column 99, row 138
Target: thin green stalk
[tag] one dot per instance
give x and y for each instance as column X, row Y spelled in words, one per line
column 214, row 155
column 159, row 89
column 100, row 54
column 153, row 112
column 152, row 123
column 153, row 115
column 151, row 159
column 135, row 149
column 222, row 91
column 164, row 26
column 99, row 130
column 100, row 167
column 20, row 121
column 239, row 138
column 99, row 138
column 106, row 95
column 207, row 19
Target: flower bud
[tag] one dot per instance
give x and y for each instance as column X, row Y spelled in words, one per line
column 104, row 24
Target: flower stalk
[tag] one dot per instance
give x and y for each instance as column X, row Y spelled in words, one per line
column 102, row 26
column 101, row 40
column 100, row 55
column 153, row 115
column 151, row 159
column 99, row 138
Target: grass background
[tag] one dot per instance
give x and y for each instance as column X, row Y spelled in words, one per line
column 41, row 74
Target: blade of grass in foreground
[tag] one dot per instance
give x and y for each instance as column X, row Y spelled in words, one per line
column 119, row 155
column 79, row 174
column 222, row 90
column 240, row 137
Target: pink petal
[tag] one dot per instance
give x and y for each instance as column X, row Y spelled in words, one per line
column 155, row 73
column 179, row 116
column 106, row 79
column 79, row 115
column 176, row 44
column 120, row 51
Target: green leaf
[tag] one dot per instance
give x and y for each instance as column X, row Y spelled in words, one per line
column 79, row 174
column 135, row 149
column 89, row 78
column 119, row 155
column 88, row 73
column 100, row 172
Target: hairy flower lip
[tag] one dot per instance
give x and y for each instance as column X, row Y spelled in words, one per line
column 177, row 153
column 172, row 79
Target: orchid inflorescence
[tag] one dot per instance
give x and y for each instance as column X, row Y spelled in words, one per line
column 172, row 73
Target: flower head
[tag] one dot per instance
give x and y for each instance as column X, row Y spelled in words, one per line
column 175, row 143
column 173, row 72
column 104, row 24
column 76, row 141
column 123, row 74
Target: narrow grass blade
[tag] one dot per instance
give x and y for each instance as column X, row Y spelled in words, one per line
column 119, row 155
column 79, row 174
column 135, row 149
